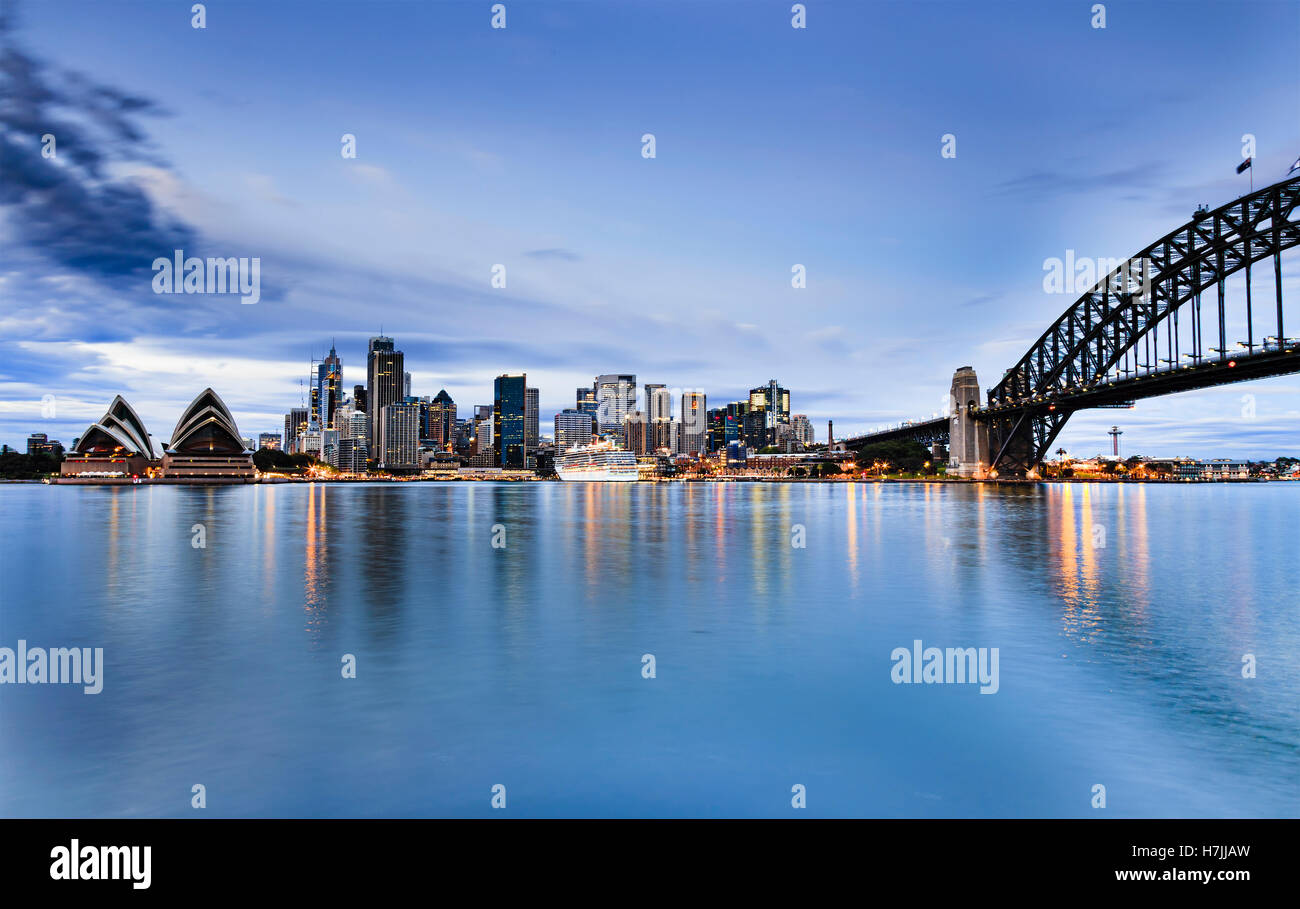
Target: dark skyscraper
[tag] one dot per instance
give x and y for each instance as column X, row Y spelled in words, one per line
column 442, row 419
column 385, row 377
column 359, row 398
column 327, row 390
column 585, row 401
column 508, row 412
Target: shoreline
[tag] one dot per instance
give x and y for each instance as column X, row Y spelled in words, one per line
column 277, row 481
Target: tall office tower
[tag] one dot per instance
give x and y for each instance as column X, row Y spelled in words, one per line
column 406, row 384
column 635, row 434
column 399, row 437
column 359, row 397
column 659, row 417
column 726, row 425
column 295, row 424
column 442, row 414
column 573, row 427
column 694, row 422
column 586, row 401
column 774, row 402
column 802, row 428
column 754, row 430
column 615, row 399
column 327, row 391
column 509, row 439
column 531, row 430
column 383, row 386
column 658, row 402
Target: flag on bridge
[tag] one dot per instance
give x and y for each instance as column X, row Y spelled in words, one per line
column 1294, row 167
column 1241, row 168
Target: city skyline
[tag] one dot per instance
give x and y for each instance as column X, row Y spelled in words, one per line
column 675, row 268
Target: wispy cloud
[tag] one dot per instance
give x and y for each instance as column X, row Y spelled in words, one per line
column 66, row 205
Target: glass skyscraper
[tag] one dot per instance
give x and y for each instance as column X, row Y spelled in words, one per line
column 385, row 376
column 509, row 436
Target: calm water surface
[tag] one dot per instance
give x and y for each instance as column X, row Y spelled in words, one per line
column 1121, row 614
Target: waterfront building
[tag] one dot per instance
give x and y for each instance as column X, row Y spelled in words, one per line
column 509, row 438
column 573, row 428
column 442, row 416
column 615, row 399
column 635, row 432
column 352, row 453
column 269, row 440
column 694, row 428
column 585, row 401
column 295, row 424
column 206, row 445
column 802, row 429
column 384, row 385
column 399, row 432
column 116, row 444
column 531, row 429
column 773, row 402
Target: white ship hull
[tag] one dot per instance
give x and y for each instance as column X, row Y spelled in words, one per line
column 596, row 465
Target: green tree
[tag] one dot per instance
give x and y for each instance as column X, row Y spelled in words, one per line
column 901, row 456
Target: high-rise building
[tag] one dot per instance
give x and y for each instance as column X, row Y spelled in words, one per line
column 327, row 390
column 442, row 414
column 359, row 397
column 802, row 428
column 295, row 424
column 615, row 399
column 268, row 440
column 352, row 454
column 509, row 439
column 406, row 384
column 726, row 425
column 384, row 380
column 694, row 420
column 399, row 437
column 531, row 429
column 636, row 434
column 585, row 401
column 774, row 403
column 573, row 427
column 658, row 402
column 659, row 417
column 352, row 424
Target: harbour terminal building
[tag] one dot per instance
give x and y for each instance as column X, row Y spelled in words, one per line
column 205, row 447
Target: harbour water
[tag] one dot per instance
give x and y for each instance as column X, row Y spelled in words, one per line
column 500, row 635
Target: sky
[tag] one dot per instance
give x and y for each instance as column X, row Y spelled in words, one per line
column 522, row 147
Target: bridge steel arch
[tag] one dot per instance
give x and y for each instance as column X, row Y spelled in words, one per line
column 1137, row 305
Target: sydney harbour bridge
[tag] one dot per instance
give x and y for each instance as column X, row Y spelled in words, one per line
column 1156, row 324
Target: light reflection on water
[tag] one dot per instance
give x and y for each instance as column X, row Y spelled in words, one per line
column 1121, row 613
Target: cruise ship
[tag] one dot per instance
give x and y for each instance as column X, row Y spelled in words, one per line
column 601, row 462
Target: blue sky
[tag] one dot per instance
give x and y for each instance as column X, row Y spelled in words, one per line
column 521, row 146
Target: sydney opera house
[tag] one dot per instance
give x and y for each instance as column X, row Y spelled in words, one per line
column 205, row 447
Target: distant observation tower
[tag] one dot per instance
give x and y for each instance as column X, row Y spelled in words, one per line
column 1115, row 433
